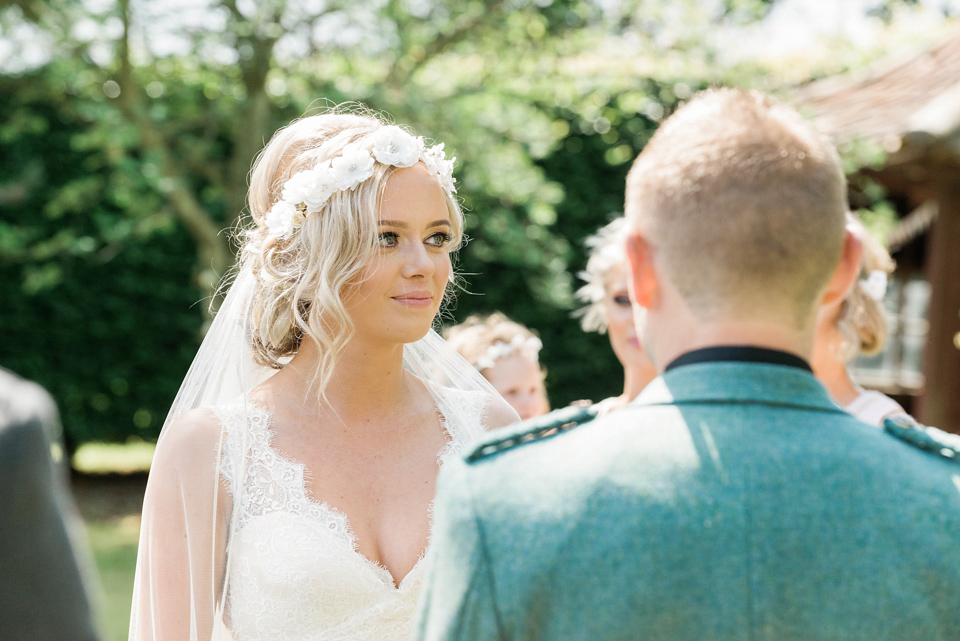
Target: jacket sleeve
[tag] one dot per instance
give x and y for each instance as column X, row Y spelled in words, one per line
column 458, row 601
column 47, row 598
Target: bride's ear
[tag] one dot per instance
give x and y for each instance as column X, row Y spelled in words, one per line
column 644, row 284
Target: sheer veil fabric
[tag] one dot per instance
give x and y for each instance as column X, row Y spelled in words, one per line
column 190, row 521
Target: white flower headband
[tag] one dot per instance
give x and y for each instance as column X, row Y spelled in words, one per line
column 501, row 349
column 306, row 192
column 875, row 284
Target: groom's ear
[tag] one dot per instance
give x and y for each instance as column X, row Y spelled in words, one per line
column 847, row 271
column 644, row 285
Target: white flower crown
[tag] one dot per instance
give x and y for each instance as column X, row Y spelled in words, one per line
column 306, row 192
column 500, row 349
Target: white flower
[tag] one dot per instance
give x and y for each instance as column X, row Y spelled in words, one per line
column 438, row 165
column 432, row 157
column 296, row 189
column 280, row 219
column 299, row 217
column 875, row 284
column 445, row 175
column 352, row 167
column 321, row 188
column 312, row 188
column 393, row 146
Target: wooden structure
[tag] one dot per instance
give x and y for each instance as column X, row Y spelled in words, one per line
column 912, row 109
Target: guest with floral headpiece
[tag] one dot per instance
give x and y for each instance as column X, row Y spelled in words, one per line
column 608, row 309
column 508, row 355
column 856, row 325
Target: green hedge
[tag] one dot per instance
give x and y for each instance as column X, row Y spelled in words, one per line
column 99, row 301
column 108, row 328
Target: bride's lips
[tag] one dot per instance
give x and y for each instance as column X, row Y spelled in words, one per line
column 415, row 299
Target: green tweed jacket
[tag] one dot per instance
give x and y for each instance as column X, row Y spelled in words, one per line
column 729, row 501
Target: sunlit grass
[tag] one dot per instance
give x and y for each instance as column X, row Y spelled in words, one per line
column 114, row 543
column 121, row 458
column 109, row 491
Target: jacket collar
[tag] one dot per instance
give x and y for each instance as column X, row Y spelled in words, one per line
column 743, row 382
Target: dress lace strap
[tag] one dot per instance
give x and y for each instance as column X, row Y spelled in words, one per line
column 245, row 430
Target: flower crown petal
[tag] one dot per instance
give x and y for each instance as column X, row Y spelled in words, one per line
column 323, row 187
column 296, row 189
column 352, row 167
column 393, row 146
column 280, row 220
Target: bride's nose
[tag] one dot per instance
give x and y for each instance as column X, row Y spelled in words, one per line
column 417, row 262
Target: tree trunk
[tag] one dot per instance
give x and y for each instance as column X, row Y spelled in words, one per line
column 249, row 137
column 940, row 404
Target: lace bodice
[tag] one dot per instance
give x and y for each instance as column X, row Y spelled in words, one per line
column 295, row 572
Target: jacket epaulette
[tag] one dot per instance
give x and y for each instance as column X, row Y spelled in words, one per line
column 534, row 429
column 929, row 439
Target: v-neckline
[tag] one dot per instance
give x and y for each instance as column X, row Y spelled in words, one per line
column 346, row 531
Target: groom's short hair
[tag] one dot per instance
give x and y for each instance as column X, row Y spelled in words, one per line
column 745, row 201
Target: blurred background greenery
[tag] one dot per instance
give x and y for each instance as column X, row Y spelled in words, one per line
column 127, row 129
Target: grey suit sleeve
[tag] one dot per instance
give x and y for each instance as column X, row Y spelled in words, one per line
column 42, row 594
column 458, row 600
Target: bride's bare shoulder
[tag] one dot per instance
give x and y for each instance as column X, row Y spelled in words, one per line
column 192, row 438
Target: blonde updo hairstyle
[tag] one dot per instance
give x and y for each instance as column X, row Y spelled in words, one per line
column 607, row 252
column 300, row 280
column 861, row 319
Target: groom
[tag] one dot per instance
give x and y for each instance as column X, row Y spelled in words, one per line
column 732, row 500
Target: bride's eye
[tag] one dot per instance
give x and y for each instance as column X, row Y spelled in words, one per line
column 439, row 239
column 389, row 239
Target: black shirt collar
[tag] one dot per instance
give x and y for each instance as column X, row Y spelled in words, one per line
column 739, row 353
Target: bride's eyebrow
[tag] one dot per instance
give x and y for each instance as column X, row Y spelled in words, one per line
column 399, row 224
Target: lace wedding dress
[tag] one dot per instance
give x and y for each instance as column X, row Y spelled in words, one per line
column 296, row 572
column 232, row 546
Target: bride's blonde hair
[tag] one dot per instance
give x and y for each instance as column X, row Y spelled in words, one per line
column 300, row 278
column 861, row 319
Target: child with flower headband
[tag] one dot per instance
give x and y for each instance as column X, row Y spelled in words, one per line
column 507, row 354
column 856, row 325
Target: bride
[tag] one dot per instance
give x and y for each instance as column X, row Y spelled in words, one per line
column 291, row 489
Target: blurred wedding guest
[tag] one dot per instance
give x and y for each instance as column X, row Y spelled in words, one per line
column 856, row 325
column 42, row 593
column 608, row 309
column 508, row 355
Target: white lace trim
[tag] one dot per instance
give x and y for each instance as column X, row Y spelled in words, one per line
column 296, row 568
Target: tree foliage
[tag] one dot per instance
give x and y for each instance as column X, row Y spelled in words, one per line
column 126, row 153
